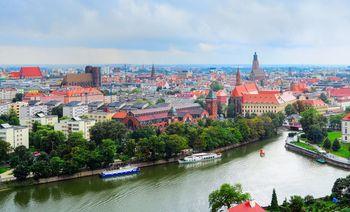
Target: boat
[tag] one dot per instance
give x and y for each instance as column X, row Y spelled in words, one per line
column 198, row 157
column 321, row 160
column 123, row 171
column 262, row 153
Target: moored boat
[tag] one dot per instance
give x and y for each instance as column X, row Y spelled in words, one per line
column 321, row 160
column 199, row 157
column 123, row 171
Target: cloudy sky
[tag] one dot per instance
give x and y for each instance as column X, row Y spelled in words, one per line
column 174, row 31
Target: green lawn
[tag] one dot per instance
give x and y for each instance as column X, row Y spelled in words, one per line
column 3, row 169
column 334, row 135
column 304, row 145
column 344, row 149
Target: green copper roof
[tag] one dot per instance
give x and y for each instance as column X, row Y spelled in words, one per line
column 211, row 95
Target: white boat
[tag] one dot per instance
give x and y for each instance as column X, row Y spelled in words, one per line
column 200, row 157
column 128, row 170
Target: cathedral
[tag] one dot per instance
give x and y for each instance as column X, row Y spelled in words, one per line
column 257, row 73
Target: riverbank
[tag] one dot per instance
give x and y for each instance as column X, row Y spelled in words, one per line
column 329, row 158
column 11, row 181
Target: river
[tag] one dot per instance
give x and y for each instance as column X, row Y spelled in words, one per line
column 174, row 187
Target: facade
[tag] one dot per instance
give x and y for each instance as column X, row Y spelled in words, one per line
column 17, row 105
column 345, row 129
column 7, row 94
column 100, row 116
column 91, row 78
column 75, row 109
column 5, row 108
column 41, row 118
column 161, row 117
column 68, row 126
column 30, row 110
column 15, row 135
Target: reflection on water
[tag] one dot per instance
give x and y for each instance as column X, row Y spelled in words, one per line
column 185, row 187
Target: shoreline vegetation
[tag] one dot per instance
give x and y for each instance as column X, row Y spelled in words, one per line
column 64, row 159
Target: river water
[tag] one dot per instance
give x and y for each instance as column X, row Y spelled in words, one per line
column 174, row 187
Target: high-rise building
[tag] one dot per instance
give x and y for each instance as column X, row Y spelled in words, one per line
column 257, row 74
column 153, row 72
column 238, row 77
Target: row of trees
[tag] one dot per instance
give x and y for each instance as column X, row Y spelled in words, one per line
column 339, row 200
column 59, row 154
column 67, row 155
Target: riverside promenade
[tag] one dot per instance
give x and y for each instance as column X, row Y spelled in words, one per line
column 319, row 153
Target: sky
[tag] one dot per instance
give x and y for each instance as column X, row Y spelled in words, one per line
column 174, row 31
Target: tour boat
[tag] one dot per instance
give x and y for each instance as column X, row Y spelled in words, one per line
column 200, row 157
column 128, row 170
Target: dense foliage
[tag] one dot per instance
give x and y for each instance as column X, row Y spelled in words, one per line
column 314, row 125
column 227, row 195
column 109, row 140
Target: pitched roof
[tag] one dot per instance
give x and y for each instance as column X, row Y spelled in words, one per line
column 119, row 115
column 268, row 98
column 347, row 117
column 30, row 72
column 245, row 88
column 247, row 206
column 339, row 92
column 15, row 74
column 314, row 102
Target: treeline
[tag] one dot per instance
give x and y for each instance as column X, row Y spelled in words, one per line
column 57, row 154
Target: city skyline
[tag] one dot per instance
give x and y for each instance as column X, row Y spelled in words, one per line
column 173, row 32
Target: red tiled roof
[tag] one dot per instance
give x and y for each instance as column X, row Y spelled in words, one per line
column 221, row 93
column 314, row 102
column 269, row 98
column 245, row 88
column 15, row 74
column 347, row 117
column 339, row 92
column 152, row 117
column 246, row 207
column 30, row 72
column 119, row 115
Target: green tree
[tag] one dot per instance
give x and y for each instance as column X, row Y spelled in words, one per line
column 324, row 98
column 10, row 118
column 21, row 172
column 274, row 203
column 56, row 165
column 18, row 97
column 143, row 132
column 216, row 86
column 327, row 143
column 289, row 110
column 58, row 111
column 21, row 155
column 227, row 195
column 336, row 145
column 109, row 130
column 230, row 110
column 160, row 100
column 296, row 204
column 41, row 167
column 174, row 144
column 5, row 148
column 107, row 150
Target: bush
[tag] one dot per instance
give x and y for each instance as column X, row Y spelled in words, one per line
column 336, row 145
column 327, row 144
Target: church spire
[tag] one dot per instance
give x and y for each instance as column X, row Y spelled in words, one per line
column 153, row 71
column 238, row 77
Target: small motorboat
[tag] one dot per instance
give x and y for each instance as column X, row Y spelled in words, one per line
column 321, row 160
column 262, row 153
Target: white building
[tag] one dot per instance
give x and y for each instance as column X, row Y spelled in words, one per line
column 31, row 109
column 345, row 128
column 41, row 118
column 68, row 126
column 15, row 135
column 7, row 94
column 75, row 109
column 5, row 108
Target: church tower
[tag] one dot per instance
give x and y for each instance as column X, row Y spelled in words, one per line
column 153, row 72
column 238, row 77
column 257, row 73
column 211, row 105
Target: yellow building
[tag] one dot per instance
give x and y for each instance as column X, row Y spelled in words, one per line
column 100, row 116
